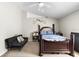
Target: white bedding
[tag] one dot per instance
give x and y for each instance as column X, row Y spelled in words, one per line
column 53, row 38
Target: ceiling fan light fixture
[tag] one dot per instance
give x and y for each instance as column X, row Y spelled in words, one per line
column 41, row 4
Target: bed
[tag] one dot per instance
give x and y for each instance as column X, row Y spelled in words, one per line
column 50, row 42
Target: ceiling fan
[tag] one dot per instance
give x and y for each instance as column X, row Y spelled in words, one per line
column 41, row 5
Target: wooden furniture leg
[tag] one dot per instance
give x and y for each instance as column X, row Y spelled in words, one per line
column 72, row 45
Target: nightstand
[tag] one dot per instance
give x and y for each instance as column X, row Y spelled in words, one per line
column 59, row 33
column 35, row 36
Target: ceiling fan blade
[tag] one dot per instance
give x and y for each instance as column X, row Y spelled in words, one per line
column 33, row 5
column 47, row 5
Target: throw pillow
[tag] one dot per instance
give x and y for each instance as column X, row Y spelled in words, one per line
column 19, row 40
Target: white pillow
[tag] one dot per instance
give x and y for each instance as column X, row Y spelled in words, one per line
column 19, row 40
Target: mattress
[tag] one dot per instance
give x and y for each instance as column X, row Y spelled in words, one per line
column 53, row 38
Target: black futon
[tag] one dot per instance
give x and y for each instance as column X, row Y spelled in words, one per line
column 12, row 42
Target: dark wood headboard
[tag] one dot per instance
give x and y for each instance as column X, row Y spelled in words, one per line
column 41, row 28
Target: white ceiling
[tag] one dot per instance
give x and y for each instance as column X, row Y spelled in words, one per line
column 52, row 9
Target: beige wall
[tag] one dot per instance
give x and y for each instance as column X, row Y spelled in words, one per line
column 69, row 24
column 30, row 24
column 10, row 23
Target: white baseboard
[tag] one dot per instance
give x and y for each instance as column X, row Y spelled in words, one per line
column 1, row 54
column 29, row 40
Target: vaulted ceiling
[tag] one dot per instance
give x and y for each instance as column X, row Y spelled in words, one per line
column 55, row 10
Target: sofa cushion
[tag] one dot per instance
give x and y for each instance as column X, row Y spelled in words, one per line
column 15, row 44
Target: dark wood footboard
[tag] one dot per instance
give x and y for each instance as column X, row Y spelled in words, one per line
column 56, row 47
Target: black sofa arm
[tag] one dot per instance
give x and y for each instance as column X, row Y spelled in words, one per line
column 6, row 43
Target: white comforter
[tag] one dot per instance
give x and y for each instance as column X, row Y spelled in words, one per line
column 53, row 38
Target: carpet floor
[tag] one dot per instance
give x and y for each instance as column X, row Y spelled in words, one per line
column 31, row 49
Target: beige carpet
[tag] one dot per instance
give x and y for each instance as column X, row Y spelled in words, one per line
column 31, row 49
